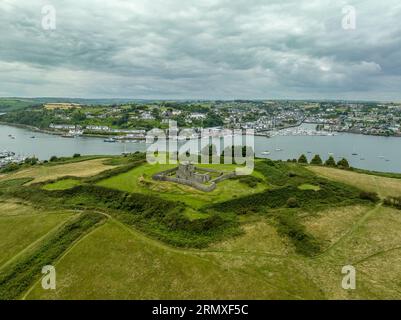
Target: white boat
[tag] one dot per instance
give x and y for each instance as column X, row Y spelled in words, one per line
column 265, row 153
column 76, row 133
column 67, row 135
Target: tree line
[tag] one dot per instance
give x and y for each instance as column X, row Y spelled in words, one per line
column 317, row 160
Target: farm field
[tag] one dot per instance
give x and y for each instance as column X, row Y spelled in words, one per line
column 117, row 234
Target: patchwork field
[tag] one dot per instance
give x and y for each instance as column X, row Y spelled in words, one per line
column 120, row 235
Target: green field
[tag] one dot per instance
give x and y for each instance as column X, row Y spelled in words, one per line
column 114, row 233
column 140, row 180
column 23, row 227
column 10, row 104
column 62, row 184
column 308, row 187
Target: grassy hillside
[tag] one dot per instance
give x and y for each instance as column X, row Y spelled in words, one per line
column 384, row 186
column 51, row 172
column 286, row 235
column 13, row 104
column 149, row 270
column 22, row 225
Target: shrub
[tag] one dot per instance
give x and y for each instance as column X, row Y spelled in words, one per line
column 292, row 202
column 393, row 202
column 330, row 162
column 76, row 155
column 370, row 196
column 304, row 242
column 343, row 163
column 317, row 160
column 250, row 181
column 10, row 168
column 32, row 161
column 53, row 159
column 303, row 159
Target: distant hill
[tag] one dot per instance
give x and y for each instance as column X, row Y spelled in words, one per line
column 12, row 104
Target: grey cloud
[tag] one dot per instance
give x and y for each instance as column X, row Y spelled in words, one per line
column 201, row 49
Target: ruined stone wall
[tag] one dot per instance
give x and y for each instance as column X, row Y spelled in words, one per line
column 224, row 177
column 193, row 184
column 207, row 169
column 163, row 176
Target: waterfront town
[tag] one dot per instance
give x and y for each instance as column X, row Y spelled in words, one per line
column 132, row 120
column 129, row 121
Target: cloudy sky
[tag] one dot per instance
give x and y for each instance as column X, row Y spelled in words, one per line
column 203, row 49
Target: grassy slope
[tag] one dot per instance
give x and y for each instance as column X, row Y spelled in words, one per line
column 382, row 185
column 50, row 172
column 27, row 225
column 116, row 262
column 10, row 104
column 124, row 264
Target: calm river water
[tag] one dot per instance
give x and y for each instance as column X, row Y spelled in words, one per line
column 373, row 153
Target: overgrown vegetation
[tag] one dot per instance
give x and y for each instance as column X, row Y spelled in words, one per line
column 394, row 202
column 289, row 225
column 250, row 181
column 370, row 196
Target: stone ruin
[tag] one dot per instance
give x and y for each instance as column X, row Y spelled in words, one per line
column 188, row 174
column 187, row 171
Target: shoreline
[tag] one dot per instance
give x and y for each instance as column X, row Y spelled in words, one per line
column 106, row 136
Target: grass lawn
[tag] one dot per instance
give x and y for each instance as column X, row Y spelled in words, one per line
column 47, row 172
column 22, row 228
column 382, row 185
column 62, row 184
column 140, row 180
column 307, row 186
